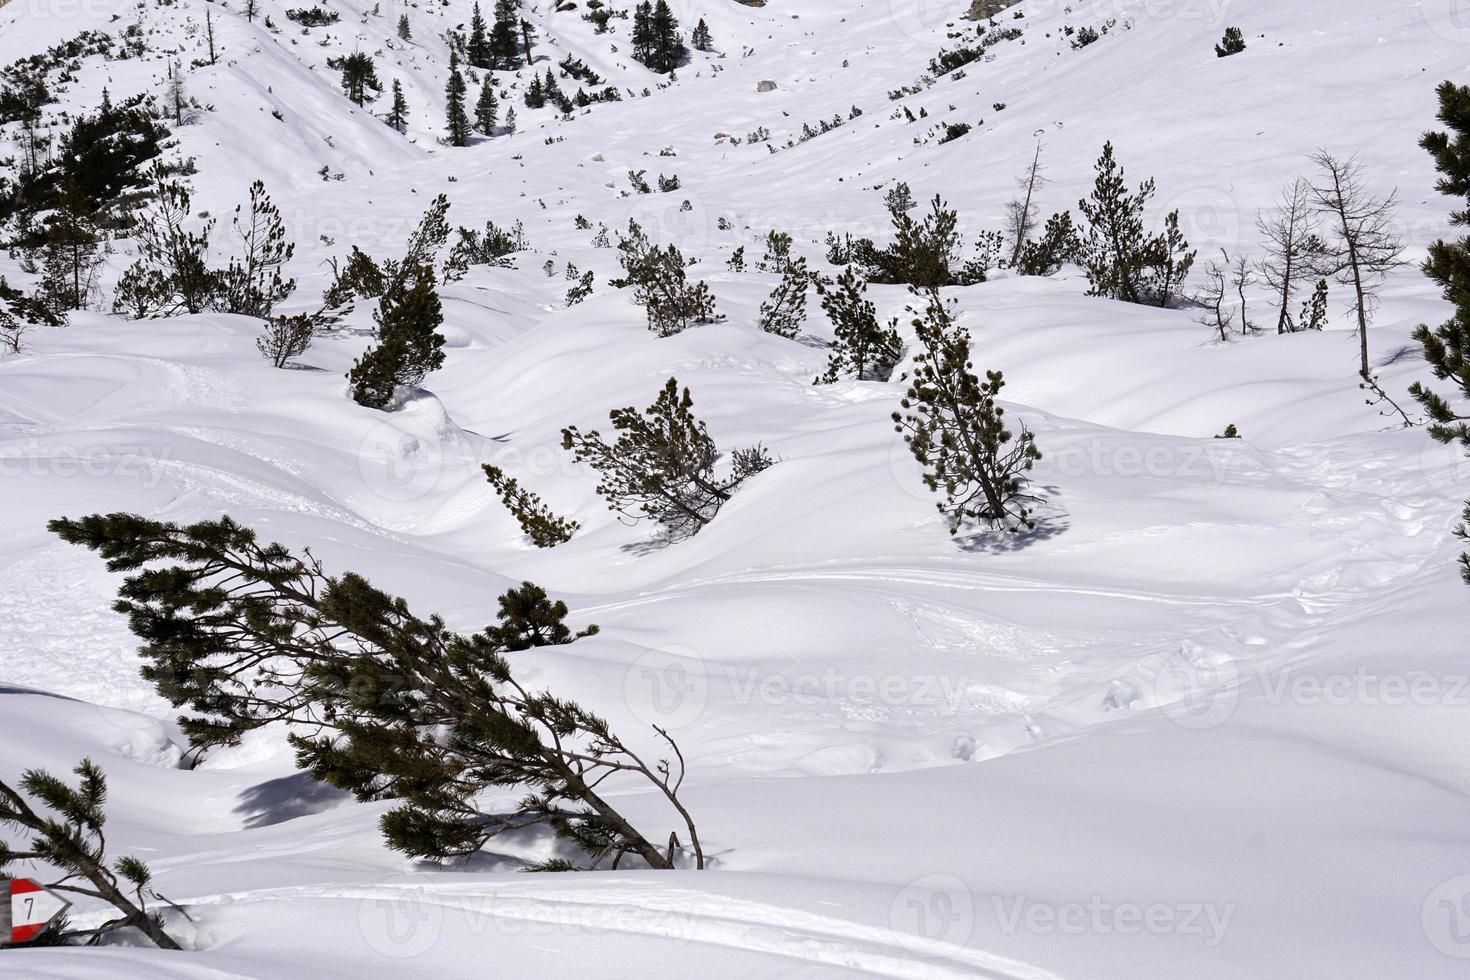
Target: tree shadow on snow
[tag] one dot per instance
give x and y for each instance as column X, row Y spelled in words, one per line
column 990, row 542
column 278, row 800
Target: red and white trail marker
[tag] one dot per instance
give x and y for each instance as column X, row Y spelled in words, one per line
column 26, row 909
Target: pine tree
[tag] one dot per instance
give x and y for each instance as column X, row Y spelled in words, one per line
column 1447, row 347
column 861, row 347
column 1233, row 43
column 398, row 114
column 1122, row 260
column 254, row 283
column 70, row 840
column 405, row 32
column 1314, row 309
column 957, row 432
column 359, row 77
column 510, row 121
column 409, row 343
column 659, row 278
column 544, row 528
column 477, row 50
column 457, row 121
column 486, row 108
column 701, row 37
column 668, row 47
column 784, row 313
column 662, row 466
column 504, row 36
column 384, row 704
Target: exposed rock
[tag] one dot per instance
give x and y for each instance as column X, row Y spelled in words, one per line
column 766, row 86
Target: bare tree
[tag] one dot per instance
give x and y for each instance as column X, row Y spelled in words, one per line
column 1362, row 248
column 1242, row 274
column 1212, row 296
column 1021, row 212
column 209, row 34
column 1293, row 248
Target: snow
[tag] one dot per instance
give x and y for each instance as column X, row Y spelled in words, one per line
column 1209, row 721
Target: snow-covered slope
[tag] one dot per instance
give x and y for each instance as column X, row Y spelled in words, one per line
column 1209, row 721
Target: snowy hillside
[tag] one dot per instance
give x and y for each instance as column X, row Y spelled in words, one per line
column 1207, row 719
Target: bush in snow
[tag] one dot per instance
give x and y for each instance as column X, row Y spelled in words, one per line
column 378, row 701
column 957, row 432
column 69, row 840
column 1232, row 43
column 287, row 337
column 662, row 466
column 861, row 347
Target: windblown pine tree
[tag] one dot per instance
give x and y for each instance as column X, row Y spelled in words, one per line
column 663, row 465
column 957, row 432
column 378, row 701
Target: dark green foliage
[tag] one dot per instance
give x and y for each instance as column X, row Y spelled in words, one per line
column 1056, row 246
column 378, row 701
column 861, row 347
column 172, row 274
column 70, row 841
column 784, row 313
column 398, row 113
column 545, row 529
column 505, row 35
column 457, row 121
column 662, row 466
column 1314, row 309
column 957, row 432
column 105, row 158
column 1447, row 347
column 660, row 283
column 477, row 50
column 287, row 337
column 493, row 247
column 923, row 251
column 409, row 343
column 1123, row 261
column 581, row 290
column 486, row 108
column 309, row 17
column 656, row 40
column 359, row 77
column 1232, row 43
column 700, row 38
column 405, row 32
column 363, row 277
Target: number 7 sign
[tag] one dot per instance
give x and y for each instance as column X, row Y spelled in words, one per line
column 27, row 909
